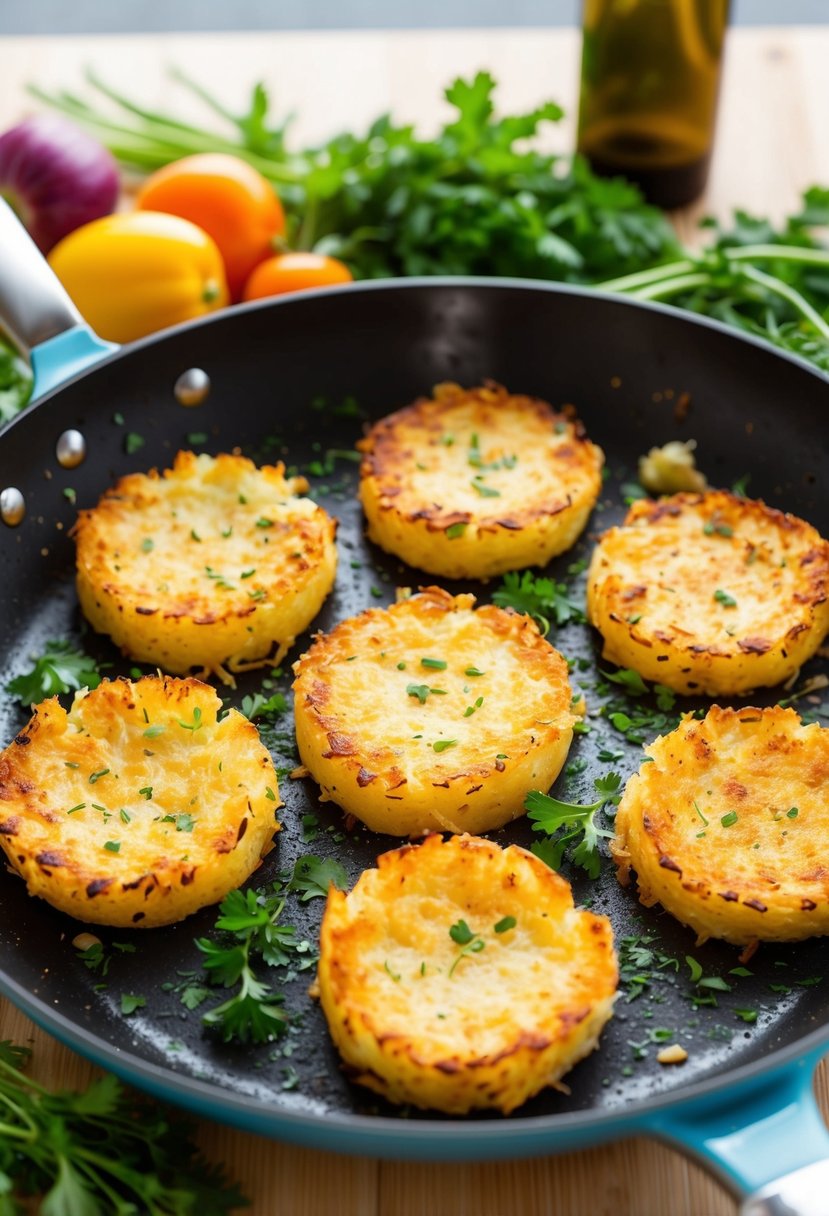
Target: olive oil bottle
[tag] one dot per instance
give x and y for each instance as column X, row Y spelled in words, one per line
column 649, row 81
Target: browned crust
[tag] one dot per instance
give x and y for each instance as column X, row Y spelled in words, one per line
column 390, row 445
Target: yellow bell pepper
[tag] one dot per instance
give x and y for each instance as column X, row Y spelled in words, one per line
column 132, row 274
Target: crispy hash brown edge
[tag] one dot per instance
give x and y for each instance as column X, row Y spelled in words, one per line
column 476, row 879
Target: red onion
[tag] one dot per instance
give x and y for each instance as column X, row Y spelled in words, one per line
column 55, row 176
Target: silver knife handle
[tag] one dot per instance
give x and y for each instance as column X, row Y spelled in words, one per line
column 804, row 1192
column 33, row 304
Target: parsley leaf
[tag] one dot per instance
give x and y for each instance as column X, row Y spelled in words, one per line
column 313, row 876
column 569, row 821
column 101, row 1150
column 257, row 706
column 543, row 599
column 250, row 928
column 61, row 668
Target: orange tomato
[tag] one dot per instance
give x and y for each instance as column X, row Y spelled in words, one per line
column 295, row 272
column 229, row 199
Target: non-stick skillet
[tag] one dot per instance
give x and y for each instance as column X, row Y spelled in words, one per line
column 292, row 379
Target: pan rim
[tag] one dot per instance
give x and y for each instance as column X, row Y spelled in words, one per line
column 298, row 300
column 503, row 1137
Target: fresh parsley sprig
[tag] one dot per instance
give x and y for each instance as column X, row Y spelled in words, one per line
column 567, row 821
column 545, row 600
column 60, row 668
column 250, row 928
column 100, row 1151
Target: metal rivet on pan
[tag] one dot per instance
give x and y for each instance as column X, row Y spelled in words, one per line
column 192, row 386
column 12, row 506
column 71, row 449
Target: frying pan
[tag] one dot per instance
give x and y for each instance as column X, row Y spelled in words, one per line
column 286, row 379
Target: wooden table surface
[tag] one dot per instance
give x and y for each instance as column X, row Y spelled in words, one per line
column 771, row 144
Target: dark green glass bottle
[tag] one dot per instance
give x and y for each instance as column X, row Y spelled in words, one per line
column 650, row 77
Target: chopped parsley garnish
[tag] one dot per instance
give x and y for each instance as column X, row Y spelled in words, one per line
column 249, row 922
column 95, row 777
column 195, row 725
column 480, row 487
column 470, row 709
column 571, row 821
column 264, row 523
column 545, row 600
column 146, row 791
column 133, row 442
column 506, row 923
column 729, row 819
column 722, row 597
column 61, row 668
column 746, row 1015
column 792, row 813
column 152, row 732
column 258, row 706
column 442, row 744
column 711, row 528
column 422, row 691
column 469, row 942
column 455, row 530
column 313, row 876
column 473, row 672
column 130, row 1002
column 434, row 664
column 113, row 846
column 80, row 807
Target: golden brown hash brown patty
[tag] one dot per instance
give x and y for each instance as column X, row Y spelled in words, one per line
column 138, row 806
column 473, row 482
column 727, row 826
column 212, row 564
column 432, row 714
column 420, row 1018
column 710, row 593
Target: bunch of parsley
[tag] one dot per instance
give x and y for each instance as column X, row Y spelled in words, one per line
column 477, row 197
column 98, row 1153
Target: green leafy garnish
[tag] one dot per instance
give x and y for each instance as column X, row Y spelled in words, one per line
column 249, row 928
column 100, row 1151
column 722, row 597
column 545, row 600
column 258, row 706
column 61, row 668
column 571, row 821
column 312, row 877
column 469, row 942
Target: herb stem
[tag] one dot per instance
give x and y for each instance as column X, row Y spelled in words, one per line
column 642, row 278
column 771, row 283
column 673, row 286
column 783, row 253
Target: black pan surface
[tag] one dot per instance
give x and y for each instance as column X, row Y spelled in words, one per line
column 296, row 380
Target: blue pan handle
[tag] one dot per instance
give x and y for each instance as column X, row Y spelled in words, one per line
column 37, row 312
column 766, row 1140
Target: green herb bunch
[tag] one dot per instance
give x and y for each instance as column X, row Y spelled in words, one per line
column 477, row 198
column 104, row 1152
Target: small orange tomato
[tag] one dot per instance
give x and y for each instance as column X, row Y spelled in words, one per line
column 295, row 272
column 227, row 198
